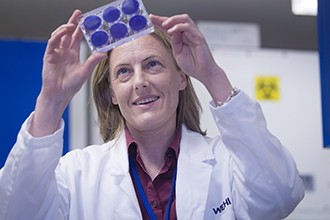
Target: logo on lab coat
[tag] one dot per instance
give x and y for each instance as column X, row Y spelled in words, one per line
column 222, row 206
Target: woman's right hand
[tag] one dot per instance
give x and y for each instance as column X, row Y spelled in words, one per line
column 62, row 76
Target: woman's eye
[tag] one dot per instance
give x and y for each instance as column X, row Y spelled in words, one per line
column 153, row 64
column 122, row 71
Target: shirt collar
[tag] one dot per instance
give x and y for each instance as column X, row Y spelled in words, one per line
column 175, row 145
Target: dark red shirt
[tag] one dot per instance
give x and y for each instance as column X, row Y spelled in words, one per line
column 157, row 191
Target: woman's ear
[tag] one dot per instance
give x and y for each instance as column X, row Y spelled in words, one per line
column 114, row 99
column 183, row 80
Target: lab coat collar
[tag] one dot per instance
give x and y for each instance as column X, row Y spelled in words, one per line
column 193, row 148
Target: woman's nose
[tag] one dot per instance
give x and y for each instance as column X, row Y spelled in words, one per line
column 140, row 80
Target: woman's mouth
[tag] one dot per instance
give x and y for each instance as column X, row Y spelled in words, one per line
column 146, row 101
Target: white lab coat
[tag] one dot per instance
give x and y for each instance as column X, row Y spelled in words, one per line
column 244, row 174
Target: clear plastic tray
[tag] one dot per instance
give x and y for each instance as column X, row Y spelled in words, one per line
column 115, row 23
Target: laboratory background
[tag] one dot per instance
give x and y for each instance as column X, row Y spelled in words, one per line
column 277, row 51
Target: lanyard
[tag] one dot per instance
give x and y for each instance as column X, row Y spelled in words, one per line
column 144, row 197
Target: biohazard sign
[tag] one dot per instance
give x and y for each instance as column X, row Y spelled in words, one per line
column 267, row 88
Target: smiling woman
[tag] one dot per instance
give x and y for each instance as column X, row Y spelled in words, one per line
column 156, row 163
column 111, row 121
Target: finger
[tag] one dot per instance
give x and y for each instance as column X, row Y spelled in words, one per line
column 66, row 41
column 181, row 27
column 63, row 26
column 74, row 16
column 183, row 24
column 56, row 38
column 190, row 33
column 177, row 19
column 156, row 19
column 177, row 43
column 91, row 62
column 76, row 39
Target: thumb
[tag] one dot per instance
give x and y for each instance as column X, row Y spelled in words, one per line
column 157, row 21
column 92, row 60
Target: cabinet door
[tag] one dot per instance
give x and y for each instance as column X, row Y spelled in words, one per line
column 324, row 50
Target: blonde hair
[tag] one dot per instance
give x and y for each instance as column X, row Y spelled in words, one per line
column 110, row 119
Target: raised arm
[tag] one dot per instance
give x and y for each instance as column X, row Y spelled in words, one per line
column 28, row 186
column 62, row 76
column 193, row 54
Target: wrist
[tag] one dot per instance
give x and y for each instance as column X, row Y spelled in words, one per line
column 212, row 73
column 233, row 93
column 218, row 85
column 47, row 117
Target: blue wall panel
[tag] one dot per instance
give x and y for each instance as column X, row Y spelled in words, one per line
column 324, row 50
column 20, row 84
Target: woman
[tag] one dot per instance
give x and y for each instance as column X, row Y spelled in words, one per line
column 156, row 162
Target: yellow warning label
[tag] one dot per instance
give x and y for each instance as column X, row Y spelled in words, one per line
column 267, row 88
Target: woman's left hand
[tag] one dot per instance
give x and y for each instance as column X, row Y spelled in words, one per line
column 189, row 45
column 193, row 54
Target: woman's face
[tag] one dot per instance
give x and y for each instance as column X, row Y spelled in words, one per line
column 145, row 84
